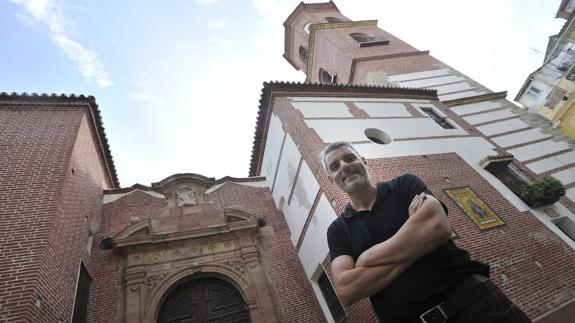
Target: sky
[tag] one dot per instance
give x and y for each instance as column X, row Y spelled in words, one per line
column 178, row 82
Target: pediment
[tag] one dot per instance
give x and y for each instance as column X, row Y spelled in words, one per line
column 141, row 228
column 234, row 215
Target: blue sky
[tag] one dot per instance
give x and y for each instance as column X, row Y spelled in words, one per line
column 178, row 82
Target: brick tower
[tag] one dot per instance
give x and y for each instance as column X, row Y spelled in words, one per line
column 55, row 165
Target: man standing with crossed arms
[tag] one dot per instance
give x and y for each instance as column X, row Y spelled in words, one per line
column 392, row 244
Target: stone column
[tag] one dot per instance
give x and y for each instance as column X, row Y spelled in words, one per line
column 266, row 310
column 135, row 287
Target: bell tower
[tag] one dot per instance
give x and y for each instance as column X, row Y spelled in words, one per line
column 298, row 28
column 330, row 48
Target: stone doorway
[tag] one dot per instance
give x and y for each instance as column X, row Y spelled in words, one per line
column 202, row 300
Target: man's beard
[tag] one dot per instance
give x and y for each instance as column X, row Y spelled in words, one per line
column 357, row 185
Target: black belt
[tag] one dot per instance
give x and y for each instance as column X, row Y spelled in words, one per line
column 466, row 293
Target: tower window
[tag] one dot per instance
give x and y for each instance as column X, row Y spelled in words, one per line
column 437, row 118
column 326, row 77
column 306, row 27
column 303, row 54
column 332, row 19
column 365, row 40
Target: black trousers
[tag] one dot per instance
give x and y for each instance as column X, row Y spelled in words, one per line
column 493, row 307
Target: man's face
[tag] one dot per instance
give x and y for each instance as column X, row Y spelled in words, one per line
column 347, row 169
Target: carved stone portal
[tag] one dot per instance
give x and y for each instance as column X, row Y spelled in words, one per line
column 215, row 264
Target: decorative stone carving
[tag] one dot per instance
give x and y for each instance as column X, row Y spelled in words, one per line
column 134, row 259
column 187, row 196
column 237, row 264
column 154, row 280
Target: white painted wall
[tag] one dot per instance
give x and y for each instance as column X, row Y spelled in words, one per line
column 314, row 248
column 323, row 109
column 489, row 116
column 570, row 193
column 384, row 109
column 550, row 163
column 565, row 176
column 520, row 137
column 477, row 107
column 502, row 126
column 460, row 95
column 297, row 211
column 538, row 149
column 353, row 130
column 432, row 81
column 285, row 179
column 450, row 88
column 418, row 75
column 273, row 146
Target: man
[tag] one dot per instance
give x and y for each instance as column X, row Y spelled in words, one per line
column 392, row 244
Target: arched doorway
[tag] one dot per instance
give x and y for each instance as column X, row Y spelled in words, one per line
column 204, row 300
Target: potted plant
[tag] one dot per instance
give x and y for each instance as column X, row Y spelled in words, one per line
column 542, row 192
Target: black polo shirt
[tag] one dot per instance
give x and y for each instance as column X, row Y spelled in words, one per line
column 429, row 280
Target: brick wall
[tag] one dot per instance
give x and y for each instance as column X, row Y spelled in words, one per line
column 43, row 226
column 295, row 298
column 106, row 290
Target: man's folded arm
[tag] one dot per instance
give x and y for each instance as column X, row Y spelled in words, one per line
column 355, row 283
column 424, row 231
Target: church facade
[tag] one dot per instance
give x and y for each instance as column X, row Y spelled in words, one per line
column 75, row 246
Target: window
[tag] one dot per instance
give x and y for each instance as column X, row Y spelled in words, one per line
column 377, row 136
column 533, row 91
column 437, row 118
column 326, row 78
column 82, row 294
column 332, row 19
column 566, row 225
column 303, row 54
column 368, row 41
column 333, row 303
column 556, row 96
column 306, row 27
column 509, row 174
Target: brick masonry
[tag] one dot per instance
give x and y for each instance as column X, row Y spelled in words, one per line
column 52, row 185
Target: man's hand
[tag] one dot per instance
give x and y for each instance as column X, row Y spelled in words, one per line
column 416, row 203
column 354, row 283
column 426, row 229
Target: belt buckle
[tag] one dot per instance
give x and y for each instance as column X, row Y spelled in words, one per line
column 434, row 315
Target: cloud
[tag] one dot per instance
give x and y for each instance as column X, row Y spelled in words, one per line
column 49, row 13
column 218, row 24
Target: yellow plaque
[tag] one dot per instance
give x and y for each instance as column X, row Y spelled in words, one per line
column 477, row 210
